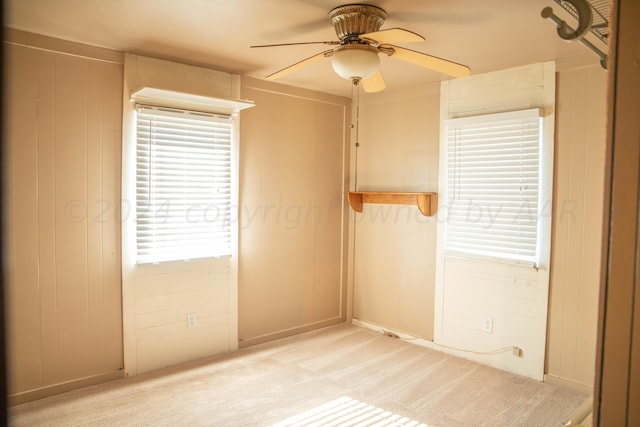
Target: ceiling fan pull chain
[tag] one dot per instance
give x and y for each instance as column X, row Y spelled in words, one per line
column 355, row 94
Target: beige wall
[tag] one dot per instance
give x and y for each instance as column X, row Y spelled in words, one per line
column 63, row 127
column 64, row 313
column 394, row 261
column 577, row 219
column 65, row 326
column 292, row 159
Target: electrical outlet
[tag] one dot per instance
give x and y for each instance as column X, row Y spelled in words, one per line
column 192, row 320
column 487, row 324
column 517, row 351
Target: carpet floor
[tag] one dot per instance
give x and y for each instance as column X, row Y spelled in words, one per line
column 343, row 375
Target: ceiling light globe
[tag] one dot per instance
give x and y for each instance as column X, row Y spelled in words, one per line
column 355, row 61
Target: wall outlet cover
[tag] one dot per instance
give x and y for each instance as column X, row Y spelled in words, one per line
column 487, row 324
column 192, row 320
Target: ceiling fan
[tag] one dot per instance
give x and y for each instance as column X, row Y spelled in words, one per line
column 355, row 55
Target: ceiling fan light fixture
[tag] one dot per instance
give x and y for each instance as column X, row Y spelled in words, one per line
column 355, row 61
column 355, row 56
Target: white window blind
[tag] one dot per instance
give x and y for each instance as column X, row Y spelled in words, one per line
column 493, row 184
column 183, row 184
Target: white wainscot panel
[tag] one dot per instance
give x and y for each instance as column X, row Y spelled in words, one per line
column 506, row 295
column 165, row 296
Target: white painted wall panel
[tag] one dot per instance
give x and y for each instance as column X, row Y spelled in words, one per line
column 475, row 290
column 157, row 298
column 469, row 291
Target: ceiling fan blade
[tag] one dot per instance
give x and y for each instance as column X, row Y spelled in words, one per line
column 393, row 35
column 374, row 83
column 331, row 43
column 298, row 65
column 431, row 62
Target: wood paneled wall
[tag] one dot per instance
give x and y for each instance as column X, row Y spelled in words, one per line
column 395, row 246
column 292, row 228
column 577, row 219
column 63, row 132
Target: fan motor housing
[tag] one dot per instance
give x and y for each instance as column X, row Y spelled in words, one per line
column 354, row 19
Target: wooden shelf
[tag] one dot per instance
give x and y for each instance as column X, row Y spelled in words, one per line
column 426, row 202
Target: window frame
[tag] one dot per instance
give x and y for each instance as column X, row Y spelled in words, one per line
column 172, row 99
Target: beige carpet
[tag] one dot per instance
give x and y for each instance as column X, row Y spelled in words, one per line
column 342, row 375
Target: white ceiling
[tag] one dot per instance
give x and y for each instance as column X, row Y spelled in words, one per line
column 486, row 35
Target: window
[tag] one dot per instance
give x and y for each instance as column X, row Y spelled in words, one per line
column 493, row 185
column 183, row 184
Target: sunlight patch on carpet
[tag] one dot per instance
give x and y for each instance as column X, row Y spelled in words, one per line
column 346, row 411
